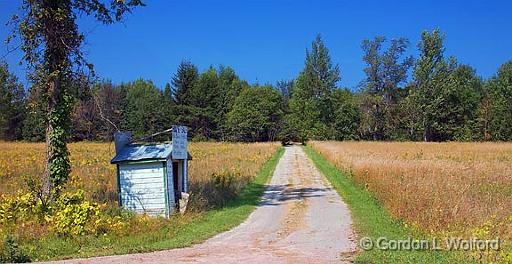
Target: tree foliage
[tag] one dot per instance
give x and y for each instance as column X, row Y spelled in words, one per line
column 310, row 104
column 385, row 72
column 256, row 115
column 12, row 102
column 51, row 42
column 442, row 100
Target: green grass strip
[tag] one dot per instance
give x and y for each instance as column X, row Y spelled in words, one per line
column 186, row 234
column 372, row 220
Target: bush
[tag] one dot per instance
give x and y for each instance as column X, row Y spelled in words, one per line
column 16, row 208
column 11, row 252
column 72, row 214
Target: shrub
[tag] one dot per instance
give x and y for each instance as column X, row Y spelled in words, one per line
column 72, row 214
column 11, row 252
column 16, row 208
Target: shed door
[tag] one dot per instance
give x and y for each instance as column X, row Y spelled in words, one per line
column 177, row 181
column 142, row 187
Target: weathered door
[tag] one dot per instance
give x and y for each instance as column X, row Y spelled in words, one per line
column 176, row 179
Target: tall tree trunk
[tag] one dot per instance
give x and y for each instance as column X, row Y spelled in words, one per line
column 58, row 107
column 51, row 147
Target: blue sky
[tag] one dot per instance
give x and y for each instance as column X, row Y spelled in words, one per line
column 265, row 41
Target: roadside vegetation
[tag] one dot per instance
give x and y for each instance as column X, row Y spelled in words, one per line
column 226, row 182
column 423, row 190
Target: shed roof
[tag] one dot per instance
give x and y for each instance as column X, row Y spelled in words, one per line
column 139, row 152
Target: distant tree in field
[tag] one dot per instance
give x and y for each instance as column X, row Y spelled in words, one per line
column 500, row 92
column 52, row 42
column 445, row 97
column 199, row 115
column 458, row 111
column 431, row 72
column 143, row 109
column 229, row 88
column 98, row 113
column 346, row 115
column 256, row 115
column 385, row 71
column 12, row 96
column 310, row 105
column 211, row 99
column 286, row 89
column 34, row 124
column 183, row 81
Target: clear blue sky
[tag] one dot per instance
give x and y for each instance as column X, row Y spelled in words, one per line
column 265, row 41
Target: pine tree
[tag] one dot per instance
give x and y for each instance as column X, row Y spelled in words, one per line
column 183, row 82
column 310, row 105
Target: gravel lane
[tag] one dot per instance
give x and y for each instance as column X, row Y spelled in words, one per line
column 300, row 220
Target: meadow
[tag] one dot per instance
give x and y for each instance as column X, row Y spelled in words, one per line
column 219, row 174
column 92, row 171
column 462, row 189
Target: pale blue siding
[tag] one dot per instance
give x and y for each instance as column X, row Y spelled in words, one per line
column 143, row 187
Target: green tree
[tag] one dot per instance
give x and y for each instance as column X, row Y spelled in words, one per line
column 256, row 115
column 12, row 102
column 229, row 88
column 211, row 99
column 430, row 74
column 286, row 89
column 446, row 95
column 346, row 115
column 183, row 81
column 460, row 98
column 52, row 42
column 310, row 105
column 34, row 125
column 199, row 115
column 385, row 71
column 144, row 109
column 500, row 90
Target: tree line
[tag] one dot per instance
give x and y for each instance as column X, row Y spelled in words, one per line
column 429, row 98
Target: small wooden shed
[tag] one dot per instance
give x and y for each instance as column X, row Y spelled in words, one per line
column 152, row 178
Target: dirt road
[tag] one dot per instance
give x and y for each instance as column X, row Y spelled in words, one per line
column 300, row 220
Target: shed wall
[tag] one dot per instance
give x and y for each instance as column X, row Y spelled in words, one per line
column 142, row 187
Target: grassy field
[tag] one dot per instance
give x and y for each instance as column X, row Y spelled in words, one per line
column 371, row 220
column 244, row 168
column 92, row 171
column 434, row 189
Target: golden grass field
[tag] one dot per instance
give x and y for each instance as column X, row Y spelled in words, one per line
column 92, row 171
column 463, row 188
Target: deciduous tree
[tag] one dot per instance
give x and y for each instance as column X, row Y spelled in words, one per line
column 51, row 41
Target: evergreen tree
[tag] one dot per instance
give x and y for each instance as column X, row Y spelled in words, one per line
column 12, row 96
column 183, row 81
column 500, row 89
column 310, row 105
column 142, row 108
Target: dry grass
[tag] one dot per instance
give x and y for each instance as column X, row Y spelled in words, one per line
column 464, row 188
column 92, row 171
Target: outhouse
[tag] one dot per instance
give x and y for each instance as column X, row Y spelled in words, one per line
column 152, row 177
